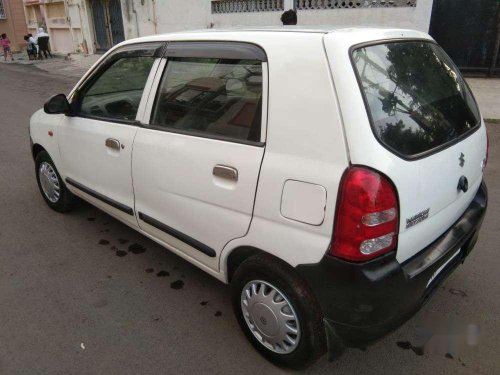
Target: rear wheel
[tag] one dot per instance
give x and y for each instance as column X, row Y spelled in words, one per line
column 51, row 186
column 278, row 312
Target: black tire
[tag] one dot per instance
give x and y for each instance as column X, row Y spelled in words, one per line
column 66, row 199
column 312, row 342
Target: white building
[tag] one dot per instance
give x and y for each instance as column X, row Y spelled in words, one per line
column 99, row 24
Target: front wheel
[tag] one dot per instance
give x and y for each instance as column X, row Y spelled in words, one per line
column 51, row 186
column 278, row 312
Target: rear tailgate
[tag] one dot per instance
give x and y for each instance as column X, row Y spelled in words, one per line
column 421, row 128
column 430, row 201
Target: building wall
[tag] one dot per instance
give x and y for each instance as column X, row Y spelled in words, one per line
column 175, row 15
column 53, row 16
column 146, row 17
column 15, row 23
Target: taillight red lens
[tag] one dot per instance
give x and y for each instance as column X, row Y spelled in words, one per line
column 366, row 223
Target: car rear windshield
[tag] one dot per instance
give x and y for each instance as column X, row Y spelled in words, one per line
column 416, row 97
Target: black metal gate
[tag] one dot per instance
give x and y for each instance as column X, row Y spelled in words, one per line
column 116, row 21
column 108, row 23
column 469, row 33
column 100, row 29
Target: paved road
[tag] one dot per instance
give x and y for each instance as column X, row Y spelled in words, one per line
column 70, row 305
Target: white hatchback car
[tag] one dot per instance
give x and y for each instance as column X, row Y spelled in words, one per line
column 333, row 176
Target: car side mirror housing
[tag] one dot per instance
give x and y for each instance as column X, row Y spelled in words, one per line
column 58, row 104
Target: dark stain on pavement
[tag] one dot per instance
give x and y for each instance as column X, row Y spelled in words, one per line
column 204, row 303
column 458, row 292
column 406, row 345
column 218, row 313
column 121, row 253
column 163, row 274
column 448, row 355
column 178, row 284
column 100, row 303
column 150, row 270
column 122, row 241
column 103, row 242
column 136, row 249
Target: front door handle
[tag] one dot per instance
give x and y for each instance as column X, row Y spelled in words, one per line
column 113, row 144
column 226, row 172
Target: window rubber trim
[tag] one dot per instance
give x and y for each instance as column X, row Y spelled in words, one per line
column 101, row 197
column 110, row 120
column 201, row 247
column 194, row 133
column 399, row 154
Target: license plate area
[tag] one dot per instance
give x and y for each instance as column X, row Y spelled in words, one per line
column 440, row 274
column 436, row 273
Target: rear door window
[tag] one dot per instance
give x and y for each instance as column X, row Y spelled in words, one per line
column 211, row 97
column 416, row 98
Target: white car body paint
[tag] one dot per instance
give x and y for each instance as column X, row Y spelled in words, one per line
column 317, row 125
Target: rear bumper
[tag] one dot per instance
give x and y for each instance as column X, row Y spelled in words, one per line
column 363, row 301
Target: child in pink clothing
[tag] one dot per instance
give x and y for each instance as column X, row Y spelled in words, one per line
column 5, row 42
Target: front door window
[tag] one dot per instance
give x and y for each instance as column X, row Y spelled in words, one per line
column 117, row 92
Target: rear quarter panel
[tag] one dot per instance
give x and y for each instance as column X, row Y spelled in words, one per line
column 305, row 142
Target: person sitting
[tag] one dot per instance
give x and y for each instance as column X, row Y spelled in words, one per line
column 42, row 40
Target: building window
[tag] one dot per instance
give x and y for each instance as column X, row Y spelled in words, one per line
column 3, row 16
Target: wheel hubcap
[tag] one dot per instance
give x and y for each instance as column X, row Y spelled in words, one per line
column 270, row 317
column 49, row 182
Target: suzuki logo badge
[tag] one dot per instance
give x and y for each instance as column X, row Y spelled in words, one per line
column 462, row 159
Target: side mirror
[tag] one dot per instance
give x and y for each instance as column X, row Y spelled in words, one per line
column 57, row 104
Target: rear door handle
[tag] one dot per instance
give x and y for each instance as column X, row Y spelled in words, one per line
column 226, row 172
column 113, row 143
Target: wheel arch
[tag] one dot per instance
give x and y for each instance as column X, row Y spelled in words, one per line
column 238, row 255
column 36, row 149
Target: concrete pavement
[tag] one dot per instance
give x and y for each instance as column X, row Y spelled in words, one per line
column 70, row 305
column 487, row 94
column 73, row 66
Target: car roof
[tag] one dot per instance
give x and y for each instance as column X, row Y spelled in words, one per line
column 322, row 29
column 247, row 32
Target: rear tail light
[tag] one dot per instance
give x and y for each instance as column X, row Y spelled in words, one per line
column 366, row 222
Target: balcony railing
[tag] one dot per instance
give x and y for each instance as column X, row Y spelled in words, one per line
column 246, row 6
column 336, row 4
